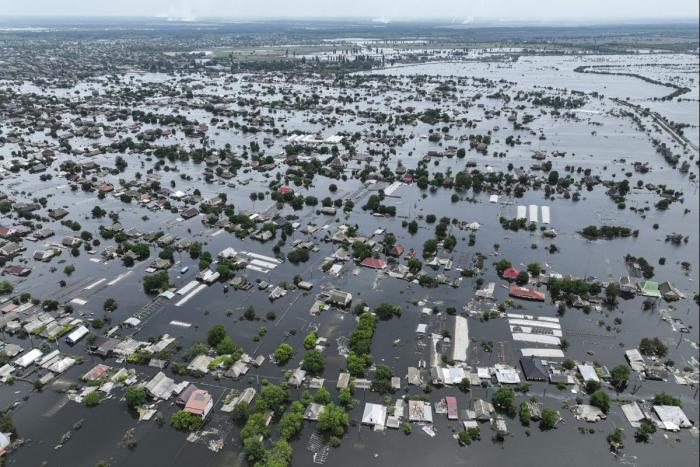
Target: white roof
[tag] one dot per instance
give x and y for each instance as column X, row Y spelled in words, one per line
column 460, row 339
column 29, row 358
column 672, row 417
column 506, row 374
column 374, row 414
column 78, row 334
column 588, row 373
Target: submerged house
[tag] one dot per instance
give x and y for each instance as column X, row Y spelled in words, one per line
column 199, row 403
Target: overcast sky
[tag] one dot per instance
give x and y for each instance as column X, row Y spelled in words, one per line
column 460, row 10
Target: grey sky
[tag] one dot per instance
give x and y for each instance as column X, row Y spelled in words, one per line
column 460, row 10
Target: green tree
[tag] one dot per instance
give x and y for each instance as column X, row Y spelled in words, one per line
column 503, row 400
column 5, row 287
column 381, row 382
column 615, row 439
column 601, row 399
column 272, row 397
column 279, row 456
column 666, row 399
column 254, row 449
column 345, row 397
column 386, row 311
column 653, row 347
column 522, row 278
column 644, row 431
column 549, row 419
column 314, row 362
column 156, row 282
column 226, row 346
column 92, row 399
column 333, row 420
column 110, row 304
column 185, row 421
column 135, row 396
column 216, row 334
column 283, row 353
column 619, row 376
column 291, row 424
column 322, row 396
column 525, row 414
column 310, row 340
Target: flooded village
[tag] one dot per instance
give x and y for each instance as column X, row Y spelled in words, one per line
column 270, row 244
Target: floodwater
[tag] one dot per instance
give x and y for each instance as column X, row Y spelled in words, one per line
column 43, row 417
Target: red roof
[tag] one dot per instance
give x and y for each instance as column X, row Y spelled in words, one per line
column 408, row 178
column 451, row 407
column 198, row 402
column 511, row 273
column 374, row 263
column 106, row 187
column 285, row 189
column 526, row 292
column 397, row 250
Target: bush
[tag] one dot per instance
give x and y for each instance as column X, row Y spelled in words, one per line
column 135, row 396
column 156, row 282
column 298, row 255
column 601, row 399
column 110, row 304
column 503, row 400
column 333, row 420
column 652, row 347
column 314, row 362
column 644, row 431
column 615, row 439
column 549, row 419
column 185, row 421
column 216, row 334
column 92, row 399
column 387, row 311
column 283, row 353
column 666, row 399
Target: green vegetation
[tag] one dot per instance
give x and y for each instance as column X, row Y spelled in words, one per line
column 314, row 362
column 644, row 431
column 601, row 399
column 503, row 400
column 466, row 438
column 185, row 421
column 524, row 413
column 549, row 419
column 387, row 311
column 292, row 421
column 156, row 282
column 666, row 399
column 606, row 231
column 310, row 340
column 333, row 420
column 283, row 353
column 92, row 399
column 619, row 376
column 135, row 396
column 381, row 382
column 615, row 439
column 652, row 347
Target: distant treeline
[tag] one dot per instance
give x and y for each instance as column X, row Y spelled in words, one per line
column 595, row 69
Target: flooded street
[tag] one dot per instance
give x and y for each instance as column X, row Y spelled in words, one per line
column 206, row 190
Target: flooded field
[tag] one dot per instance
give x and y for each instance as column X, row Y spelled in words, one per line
column 149, row 205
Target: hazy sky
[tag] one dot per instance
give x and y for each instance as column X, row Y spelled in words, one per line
column 461, row 10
